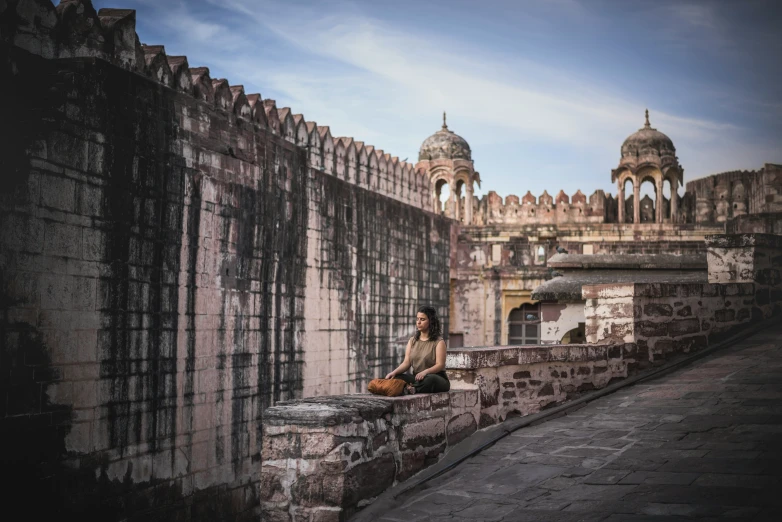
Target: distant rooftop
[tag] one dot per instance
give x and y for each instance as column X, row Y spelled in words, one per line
column 581, row 269
column 629, row 261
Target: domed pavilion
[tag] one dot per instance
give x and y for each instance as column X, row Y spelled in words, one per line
column 648, row 155
column 446, row 159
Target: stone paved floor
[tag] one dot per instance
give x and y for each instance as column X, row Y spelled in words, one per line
column 701, row 443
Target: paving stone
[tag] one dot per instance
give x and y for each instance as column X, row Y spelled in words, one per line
column 610, row 443
column 606, row 476
column 558, row 483
column 537, row 515
column 584, row 452
column 678, row 494
column 744, row 481
column 707, row 465
column 485, row 511
column 656, row 477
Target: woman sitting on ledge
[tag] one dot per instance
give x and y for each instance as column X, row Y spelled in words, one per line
column 425, row 354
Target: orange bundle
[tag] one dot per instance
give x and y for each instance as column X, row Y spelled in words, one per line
column 387, row 387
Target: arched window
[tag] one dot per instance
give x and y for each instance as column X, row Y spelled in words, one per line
column 541, row 254
column 524, row 324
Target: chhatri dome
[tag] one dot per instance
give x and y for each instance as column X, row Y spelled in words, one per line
column 444, row 144
column 645, row 142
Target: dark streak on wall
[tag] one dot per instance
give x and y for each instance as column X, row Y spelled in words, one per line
column 122, row 212
column 385, row 259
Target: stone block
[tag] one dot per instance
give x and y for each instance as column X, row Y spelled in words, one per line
column 283, row 446
column 651, row 329
column 743, row 314
column 658, row 310
column 690, row 344
column 89, row 200
column 681, row 327
column 56, row 292
column 275, row 514
column 410, row 463
column 684, row 311
column 725, row 315
column 425, row 433
column 93, row 244
column 368, row 479
column 84, row 293
column 460, row 427
column 22, row 233
column 608, row 291
column 62, row 240
column 318, row 489
column 58, row 193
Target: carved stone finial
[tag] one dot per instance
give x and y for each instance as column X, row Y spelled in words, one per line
column 445, row 126
column 647, row 124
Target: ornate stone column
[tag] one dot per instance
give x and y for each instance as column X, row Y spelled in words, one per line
column 468, row 205
column 659, row 203
column 620, row 196
column 674, row 200
column 454, row 203
column 636, row 202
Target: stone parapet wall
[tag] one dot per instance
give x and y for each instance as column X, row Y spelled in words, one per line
column 766, row 223
column 546, row 210
column 74, row 29
column 749, row 258
column 728, row 195
column 629, row 327
column 666, row 319
column 325, row 458
column 521, row 380
column 167, row 251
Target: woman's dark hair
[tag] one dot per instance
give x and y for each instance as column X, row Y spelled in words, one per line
column 435, row 328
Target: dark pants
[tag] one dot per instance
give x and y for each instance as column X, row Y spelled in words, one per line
column 432, row 383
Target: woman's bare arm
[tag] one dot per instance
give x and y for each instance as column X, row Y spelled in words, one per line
column 402, row 368
column 439, row 364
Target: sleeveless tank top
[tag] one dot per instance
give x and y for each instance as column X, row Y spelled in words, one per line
column 423, row 355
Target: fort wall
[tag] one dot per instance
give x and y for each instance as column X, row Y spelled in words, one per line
column 175, row 256
column 720, row 197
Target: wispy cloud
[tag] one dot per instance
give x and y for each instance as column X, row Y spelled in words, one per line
column 386, row 84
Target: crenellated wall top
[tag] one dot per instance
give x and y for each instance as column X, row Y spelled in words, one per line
column 74, row 29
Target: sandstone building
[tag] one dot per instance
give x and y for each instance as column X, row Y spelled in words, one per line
column 177, row 255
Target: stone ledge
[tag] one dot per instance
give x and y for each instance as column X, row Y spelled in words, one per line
column 333, row 410
column 744, row 240
column 327, row 411
column 629, row 261
column 495, row 356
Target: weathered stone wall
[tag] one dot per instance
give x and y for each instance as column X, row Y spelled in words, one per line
column 496, row 268
column 767, row 223
column 371, row 262
column 546, row 210
column 727, row 195
column 557, row 319
column 665, row 319
column 167, row 251
column 749, row 258
column 325, row 458
column 629, row 327
column 524, row 380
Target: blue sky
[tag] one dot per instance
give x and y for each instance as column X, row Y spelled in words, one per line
column 545, row 91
